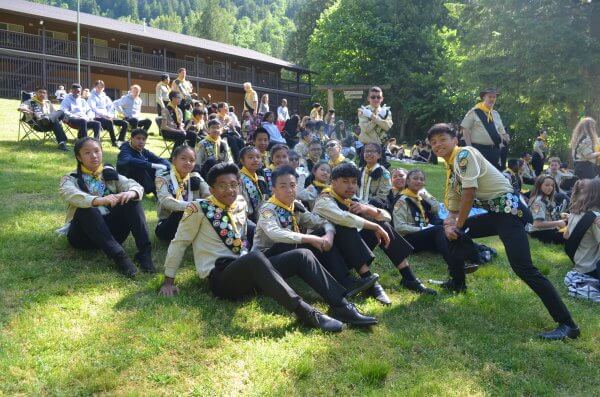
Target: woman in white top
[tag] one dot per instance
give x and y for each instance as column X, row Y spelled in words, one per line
column 283, row 114
column 264, row 104
column 162, row 92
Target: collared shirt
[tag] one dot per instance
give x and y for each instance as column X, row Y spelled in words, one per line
column 269, row 229
column 274, row 134
column 162, row 93
column 206, row 150
column 129, row 106
column 327, row 207
column 282, row 113
column 100, row 104
column 404, row 222
column 478, row 133
column 545, row 211
column 165, row 191
column 249, row 99
column 76, row 108
column 584, row 151
column 472, row 170
column 372, row 188
column 374, row 131
column 39, row 109
column 587, row 254
column 195, row 229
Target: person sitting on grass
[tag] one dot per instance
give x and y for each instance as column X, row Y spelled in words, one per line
column 472, row 180
column 334, row 151
column 583, row 240
column 375, row 179
column 283, row 225
column 253, row 185
column 315, row 154
column 560, row 176
column 175, row 189
column 138, row 163
column 103, row 208
column 213, row 145
column 262, row 141
column 318, row 180
column 360, row 227
column 398, row 185
column 216, row 229
column 298, row 164
column 549, row 218
column 513, row 174
column 302, row 146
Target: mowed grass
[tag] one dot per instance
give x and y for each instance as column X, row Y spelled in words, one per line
column 71, row 325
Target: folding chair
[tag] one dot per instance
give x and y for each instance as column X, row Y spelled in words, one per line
column 30, row 128
column 168, row 145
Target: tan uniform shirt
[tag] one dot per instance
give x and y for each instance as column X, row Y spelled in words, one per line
column 77, row 198
column 543, row 211
column 326, row 207
column 374, row 131
column 206, row 150
column 168, row 123
column 269, row 229
column 584, row 150
column 475, row 127
column 302, row 149
column 375, row 188
column 472, row 170
column 249, row 99
column 196, row 230
column 167, row 203
column 587, row 254
column 404, row 222
column 308, row 195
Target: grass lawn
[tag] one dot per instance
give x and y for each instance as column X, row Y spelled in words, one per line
column 71, row 325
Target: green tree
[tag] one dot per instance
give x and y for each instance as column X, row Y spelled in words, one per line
column 170, row 22
column 305, row 21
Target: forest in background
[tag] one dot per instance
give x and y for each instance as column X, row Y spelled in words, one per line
column 543, row 55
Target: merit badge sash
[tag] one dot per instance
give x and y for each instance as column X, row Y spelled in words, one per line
column 223, row 225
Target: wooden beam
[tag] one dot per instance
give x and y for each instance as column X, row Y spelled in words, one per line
column 350, row 87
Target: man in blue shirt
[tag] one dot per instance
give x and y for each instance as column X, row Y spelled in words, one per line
column 102, row 107
column 131, row 107
column 78, row 113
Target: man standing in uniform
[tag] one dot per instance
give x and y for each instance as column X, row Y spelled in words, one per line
column 482, row 128
column 374, row 121
column 250, row 98
column 473, row 181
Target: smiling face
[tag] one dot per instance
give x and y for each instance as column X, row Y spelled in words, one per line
column 554, row 166
column 226, row 188
column 399, row 179
column 284, row 189
column 371, row 155
column 185, row 161
column 322, row 173
column 215, row 131
column 547, row 187
column 251, row 160
column 261, row 141
column 315, row 151
column 416, row 181
column 280, row 158
column 333, row 150
column 90, row 155
column 443, row 144
column 489, row 99
column 345, row 187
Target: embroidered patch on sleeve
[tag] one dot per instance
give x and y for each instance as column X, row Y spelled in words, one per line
column 535, row 208
column 189, row 210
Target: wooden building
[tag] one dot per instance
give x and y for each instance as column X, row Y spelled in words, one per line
column 38, row 47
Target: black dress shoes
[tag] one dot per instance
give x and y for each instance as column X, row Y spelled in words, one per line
column 563, row 331
column 348, row 313
column 316, row 319
column 377, row 292
column 125, row 264
column 417, row 286
column 452, row 286
column 145, row 261
column 360, row 285
column 471, row 268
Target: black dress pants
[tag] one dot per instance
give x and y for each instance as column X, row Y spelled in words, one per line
column 255, row 273
column 47, row 124
column 90, row 229
column 137, row 123
column 166, row 228
column 585, row 170
column 537, row 162
column 491, row 154
column 143, row 176
column 432, row 239
column 179, row 137
column 83, row 126
column 512, row 233
column 107, row 125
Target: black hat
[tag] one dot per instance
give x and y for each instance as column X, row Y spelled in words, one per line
column 75, row 85
column 164, row 76
column 488, row 91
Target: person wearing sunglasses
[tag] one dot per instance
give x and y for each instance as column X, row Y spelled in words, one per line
column 374, row 121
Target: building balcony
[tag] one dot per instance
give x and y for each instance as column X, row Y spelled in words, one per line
column 149, row 62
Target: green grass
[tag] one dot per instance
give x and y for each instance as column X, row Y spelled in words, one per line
column 71, row 325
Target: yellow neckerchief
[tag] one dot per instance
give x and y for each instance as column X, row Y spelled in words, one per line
column 228, row 210
column 488, row 111
column 271, row 167
column 419, row 201
column 180, row 184
column 36, row 99
column 320, row 184
column 510, row 171
column 365, row 182
column 340, row 159
column 265, row 158
column 290, row 208
column 172, row 106
column 253, row 178
column 94, row 174
column 449, row 170
column 216, row 145
column 541, row 138
column 337, row 197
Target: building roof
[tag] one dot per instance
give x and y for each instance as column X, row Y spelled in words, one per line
column 47, row 12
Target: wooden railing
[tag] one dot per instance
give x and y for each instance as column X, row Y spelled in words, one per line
column 116, row 56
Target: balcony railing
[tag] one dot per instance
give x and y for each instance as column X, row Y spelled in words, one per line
column 116, row 56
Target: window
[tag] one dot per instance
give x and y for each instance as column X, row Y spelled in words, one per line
column 190, row 58
column 219, row 70
column 99, row 48
column 144, row 96
column 134, row 48
column 57, row 35
column 11, row 27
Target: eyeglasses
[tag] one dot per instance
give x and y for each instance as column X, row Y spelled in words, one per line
column 225, row 186
column 331, row 145
column 375, row 97
column 371, row 152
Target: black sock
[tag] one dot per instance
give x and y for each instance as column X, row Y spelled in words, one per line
column 570, row 323
column 407, row 274
column 366, row 274
column 303, row 310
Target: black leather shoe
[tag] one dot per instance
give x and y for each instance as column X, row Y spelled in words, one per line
column 63, row 146
column 377, row 292
column 125, row 265
column 348, row 313
column 471, row 268
column 145, row 261
column 418, row 287
column 451, row 286
column 316, row 319
column 563, row 331
column 361, row 284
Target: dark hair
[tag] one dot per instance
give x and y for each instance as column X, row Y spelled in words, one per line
column 214, row 122
column 315, row 142
column 222, row 105
column 174, row 94
column 278, row 147
column 139, row 131
column 77, row 148
column 441, row 128
column 221, row 169
column 414, row 171
column 164, row 76
column 318, row 165
column 197, row 112
column 524, row 154
column 40, row 89
column 75, row 85
column 374, row 145
column 180, row 69
column 247, row 149
column 375, row 89
column 293, row 153
column 231, row 109
column 267, row 114
column 261, row 130
column 305, row 133
column 345, row 170
column 177, row 151
column 537, row 188
column 282, row 171
column 98, row 82
column 512, row 163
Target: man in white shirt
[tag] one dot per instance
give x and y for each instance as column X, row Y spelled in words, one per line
column 78, row 113
column 102, row 107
